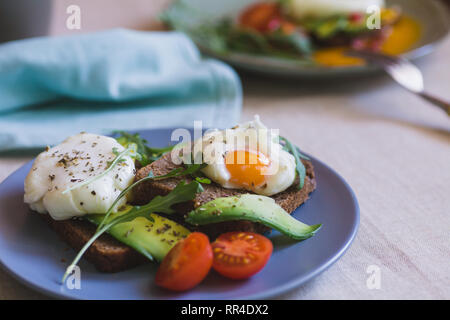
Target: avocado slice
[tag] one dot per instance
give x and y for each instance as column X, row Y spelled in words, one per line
column 255, row 208
column 152, row 239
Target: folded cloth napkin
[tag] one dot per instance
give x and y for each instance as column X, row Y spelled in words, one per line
column 51, row 88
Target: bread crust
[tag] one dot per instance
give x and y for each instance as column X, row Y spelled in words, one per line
column 106, row 253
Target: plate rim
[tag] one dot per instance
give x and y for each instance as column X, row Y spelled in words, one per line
column 269, row 293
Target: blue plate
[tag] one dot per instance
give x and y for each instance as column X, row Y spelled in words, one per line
column 34, row 255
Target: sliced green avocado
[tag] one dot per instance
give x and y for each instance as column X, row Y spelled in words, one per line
column 152, row 239
column 254, row 208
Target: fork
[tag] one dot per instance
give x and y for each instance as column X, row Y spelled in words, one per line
column 404, row 72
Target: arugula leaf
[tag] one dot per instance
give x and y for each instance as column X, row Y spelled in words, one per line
column 163, row 204
column 191, row 169
column 222, row 36
column 203, row 180
column 183, row 192
column 145, row 154
column 299, row 166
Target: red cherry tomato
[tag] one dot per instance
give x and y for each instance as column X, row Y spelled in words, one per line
column 356, row 17
column 186, row 264
column 259, row 16
column 239, row 255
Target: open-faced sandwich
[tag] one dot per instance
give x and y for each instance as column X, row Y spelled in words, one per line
column 310, row 31
column 122, row 203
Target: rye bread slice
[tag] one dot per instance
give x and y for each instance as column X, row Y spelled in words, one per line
column 110, row 255
column 289, row 199
column 106, row 253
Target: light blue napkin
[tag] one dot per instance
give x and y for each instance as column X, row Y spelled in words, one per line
column 51, row 88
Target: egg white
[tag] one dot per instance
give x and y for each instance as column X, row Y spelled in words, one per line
column 76, row 159
column 323, row 8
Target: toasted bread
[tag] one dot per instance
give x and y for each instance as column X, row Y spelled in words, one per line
column 106, row 253
column 289, row 199
column 110, row 255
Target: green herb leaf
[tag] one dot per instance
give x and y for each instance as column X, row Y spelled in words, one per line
column 145, row 154
column 183, row 192
column 163, row 204
column 299, row 166
column 191, row 169
column 203, row 180
column 223, row 36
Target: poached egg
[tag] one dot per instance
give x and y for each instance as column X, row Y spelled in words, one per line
column 247, row 156
column 77, row 159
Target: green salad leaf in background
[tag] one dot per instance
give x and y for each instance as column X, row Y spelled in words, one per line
column 224, row 36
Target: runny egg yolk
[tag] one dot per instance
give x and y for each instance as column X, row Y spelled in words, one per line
column 247, row 168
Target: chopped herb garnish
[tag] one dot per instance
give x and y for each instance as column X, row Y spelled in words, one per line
column 128, row 151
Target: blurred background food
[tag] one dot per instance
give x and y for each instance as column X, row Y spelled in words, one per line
column 309, row 31
column 302, row 38
column 22, row 18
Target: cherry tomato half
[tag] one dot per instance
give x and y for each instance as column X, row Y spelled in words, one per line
column 186, row 264
column 239, row 255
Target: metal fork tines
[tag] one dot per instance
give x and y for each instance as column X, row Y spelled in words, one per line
column 402, row 71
